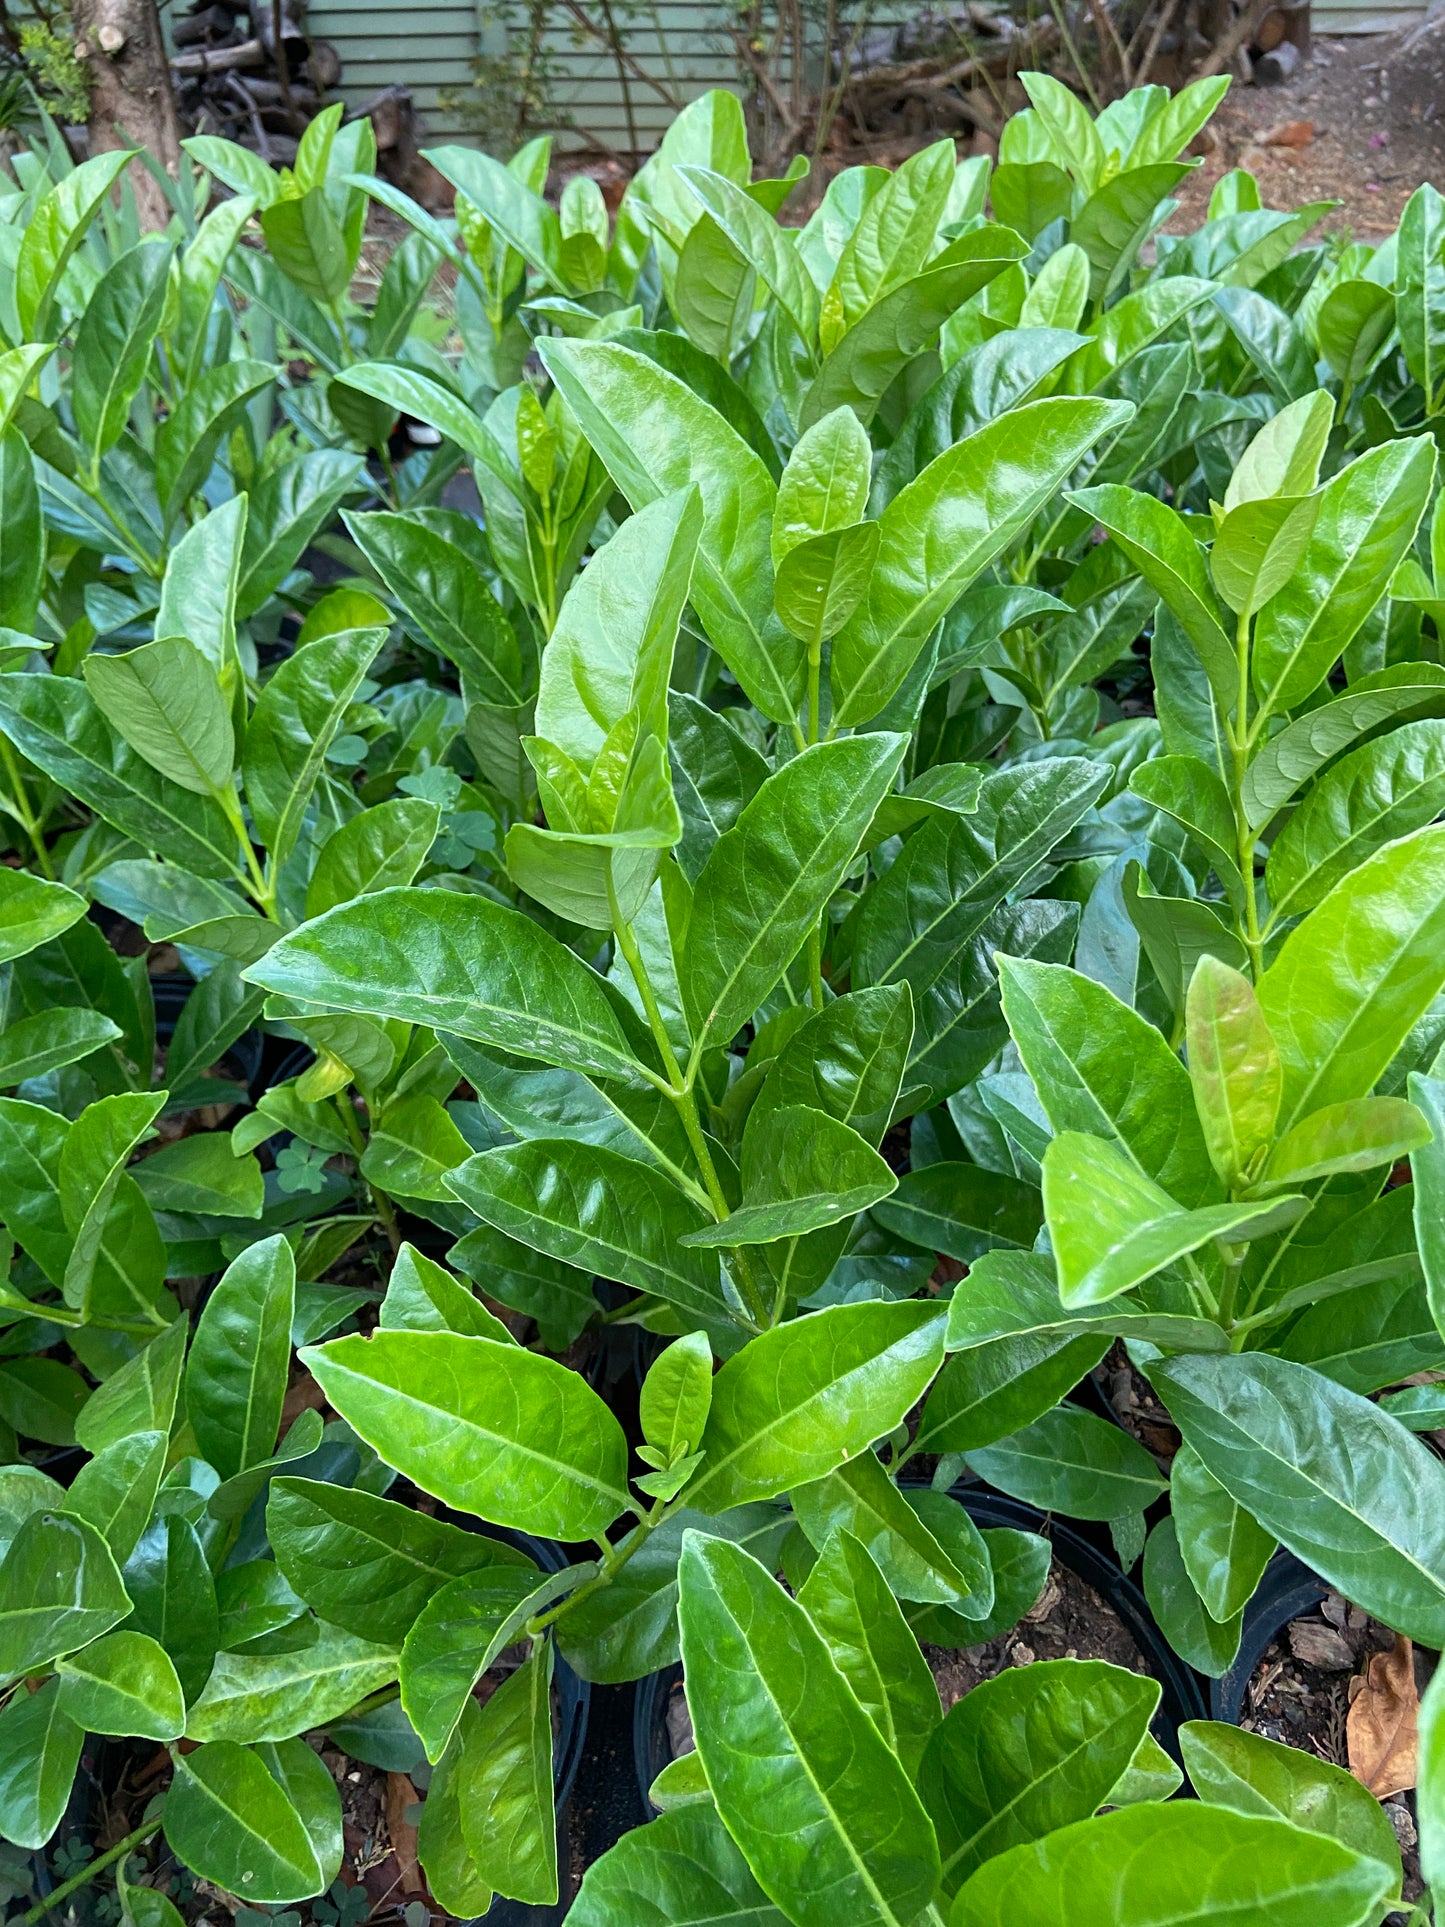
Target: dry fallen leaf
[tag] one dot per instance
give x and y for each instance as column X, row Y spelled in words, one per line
column 1320, row 1646
column 1290, row 133
column 401, row 1795
column 1381, row 1731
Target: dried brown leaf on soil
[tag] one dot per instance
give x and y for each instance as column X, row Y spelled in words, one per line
column 1381, row 1731
column 402, row 1796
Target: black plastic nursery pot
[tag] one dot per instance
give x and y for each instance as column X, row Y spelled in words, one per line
column 1181, row 1697
column 1287, row 1589
column 573, row 1700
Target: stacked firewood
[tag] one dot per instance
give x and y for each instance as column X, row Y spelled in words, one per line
column 249, row 70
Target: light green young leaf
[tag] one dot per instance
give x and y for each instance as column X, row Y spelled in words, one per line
column 1165, row 1865
column 236, row 1373
column 123, row 1683
column 487, row 1428
column 839, row 1832
column 456, row 963
column 1225, row 1551
column 1029, row 1752
column 848, row 1600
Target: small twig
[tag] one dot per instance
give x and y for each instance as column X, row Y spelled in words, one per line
column 278, row 55
column 1105, row 28
column 588, row 25
column 1156, row 39
column 1245, row 27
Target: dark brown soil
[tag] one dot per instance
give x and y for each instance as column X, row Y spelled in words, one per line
column 1069, row 1621
column 1135, row 1406
column 1300, row 1695
column 1369, row 113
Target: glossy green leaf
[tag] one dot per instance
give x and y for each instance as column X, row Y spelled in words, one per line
column 422, row 1295
column 369, row 1564
column 847, row 1598
column 1350, row 981
column 187, row 439
column 801, row 1170
column 861, row 1500
column 1345, row 1487
column 596, row 1210
column 1111, row 1227
column 840, row 1827
column 237, row 1371
column 198, row 590
column 457, row 963
column 174, row 1597
column 505, row 1791
column 1161, row 547
column 1230, row 1767
column 628, row 1628
column 1029, row 1752
column 54, row 721
column 123, row 1683
column 140, row 1396
column 261, row 1696
column 1163, row 1866
column 486, row 1428
column 32, row 911
column 1379, row 792
column 233, row 1817
column 802, row 1398
column 1234, row 1068
column 1359, row 1135
column 1207, row 1644
column 683, row 1870
column 961, row 1210
column 1071, row 1462
column 940, row 532
column 51, row 1039
column 1367, row 518
column 993, row 1389
column 611, row 651
column 115, row 1491
column 292, row 727
column 441, row 585
column 656, row 438
column 676, row 1394
column 114, row 340
column 768, row 879
column 57, row 227
column 39, row 1753
column 59, row 1589
column 1100, row 1068
column 1225, row 1551
column 1014, row 1293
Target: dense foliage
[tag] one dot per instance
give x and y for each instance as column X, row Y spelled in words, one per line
column 931, row 750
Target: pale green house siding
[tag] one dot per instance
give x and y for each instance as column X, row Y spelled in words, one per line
column 430, row 50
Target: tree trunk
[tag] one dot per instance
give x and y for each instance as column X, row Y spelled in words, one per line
column 131, row 102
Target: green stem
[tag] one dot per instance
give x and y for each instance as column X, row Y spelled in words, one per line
column 1239, row 751
column 1229, row 1291
column 88, row 1873
column 261, row 890
column 815, row 965
column 385, row 1211
column 20, row 797
column 339, row 318
column 617, row 1557
column 685, row 1103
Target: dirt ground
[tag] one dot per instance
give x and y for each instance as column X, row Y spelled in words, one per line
column 1362, row 123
